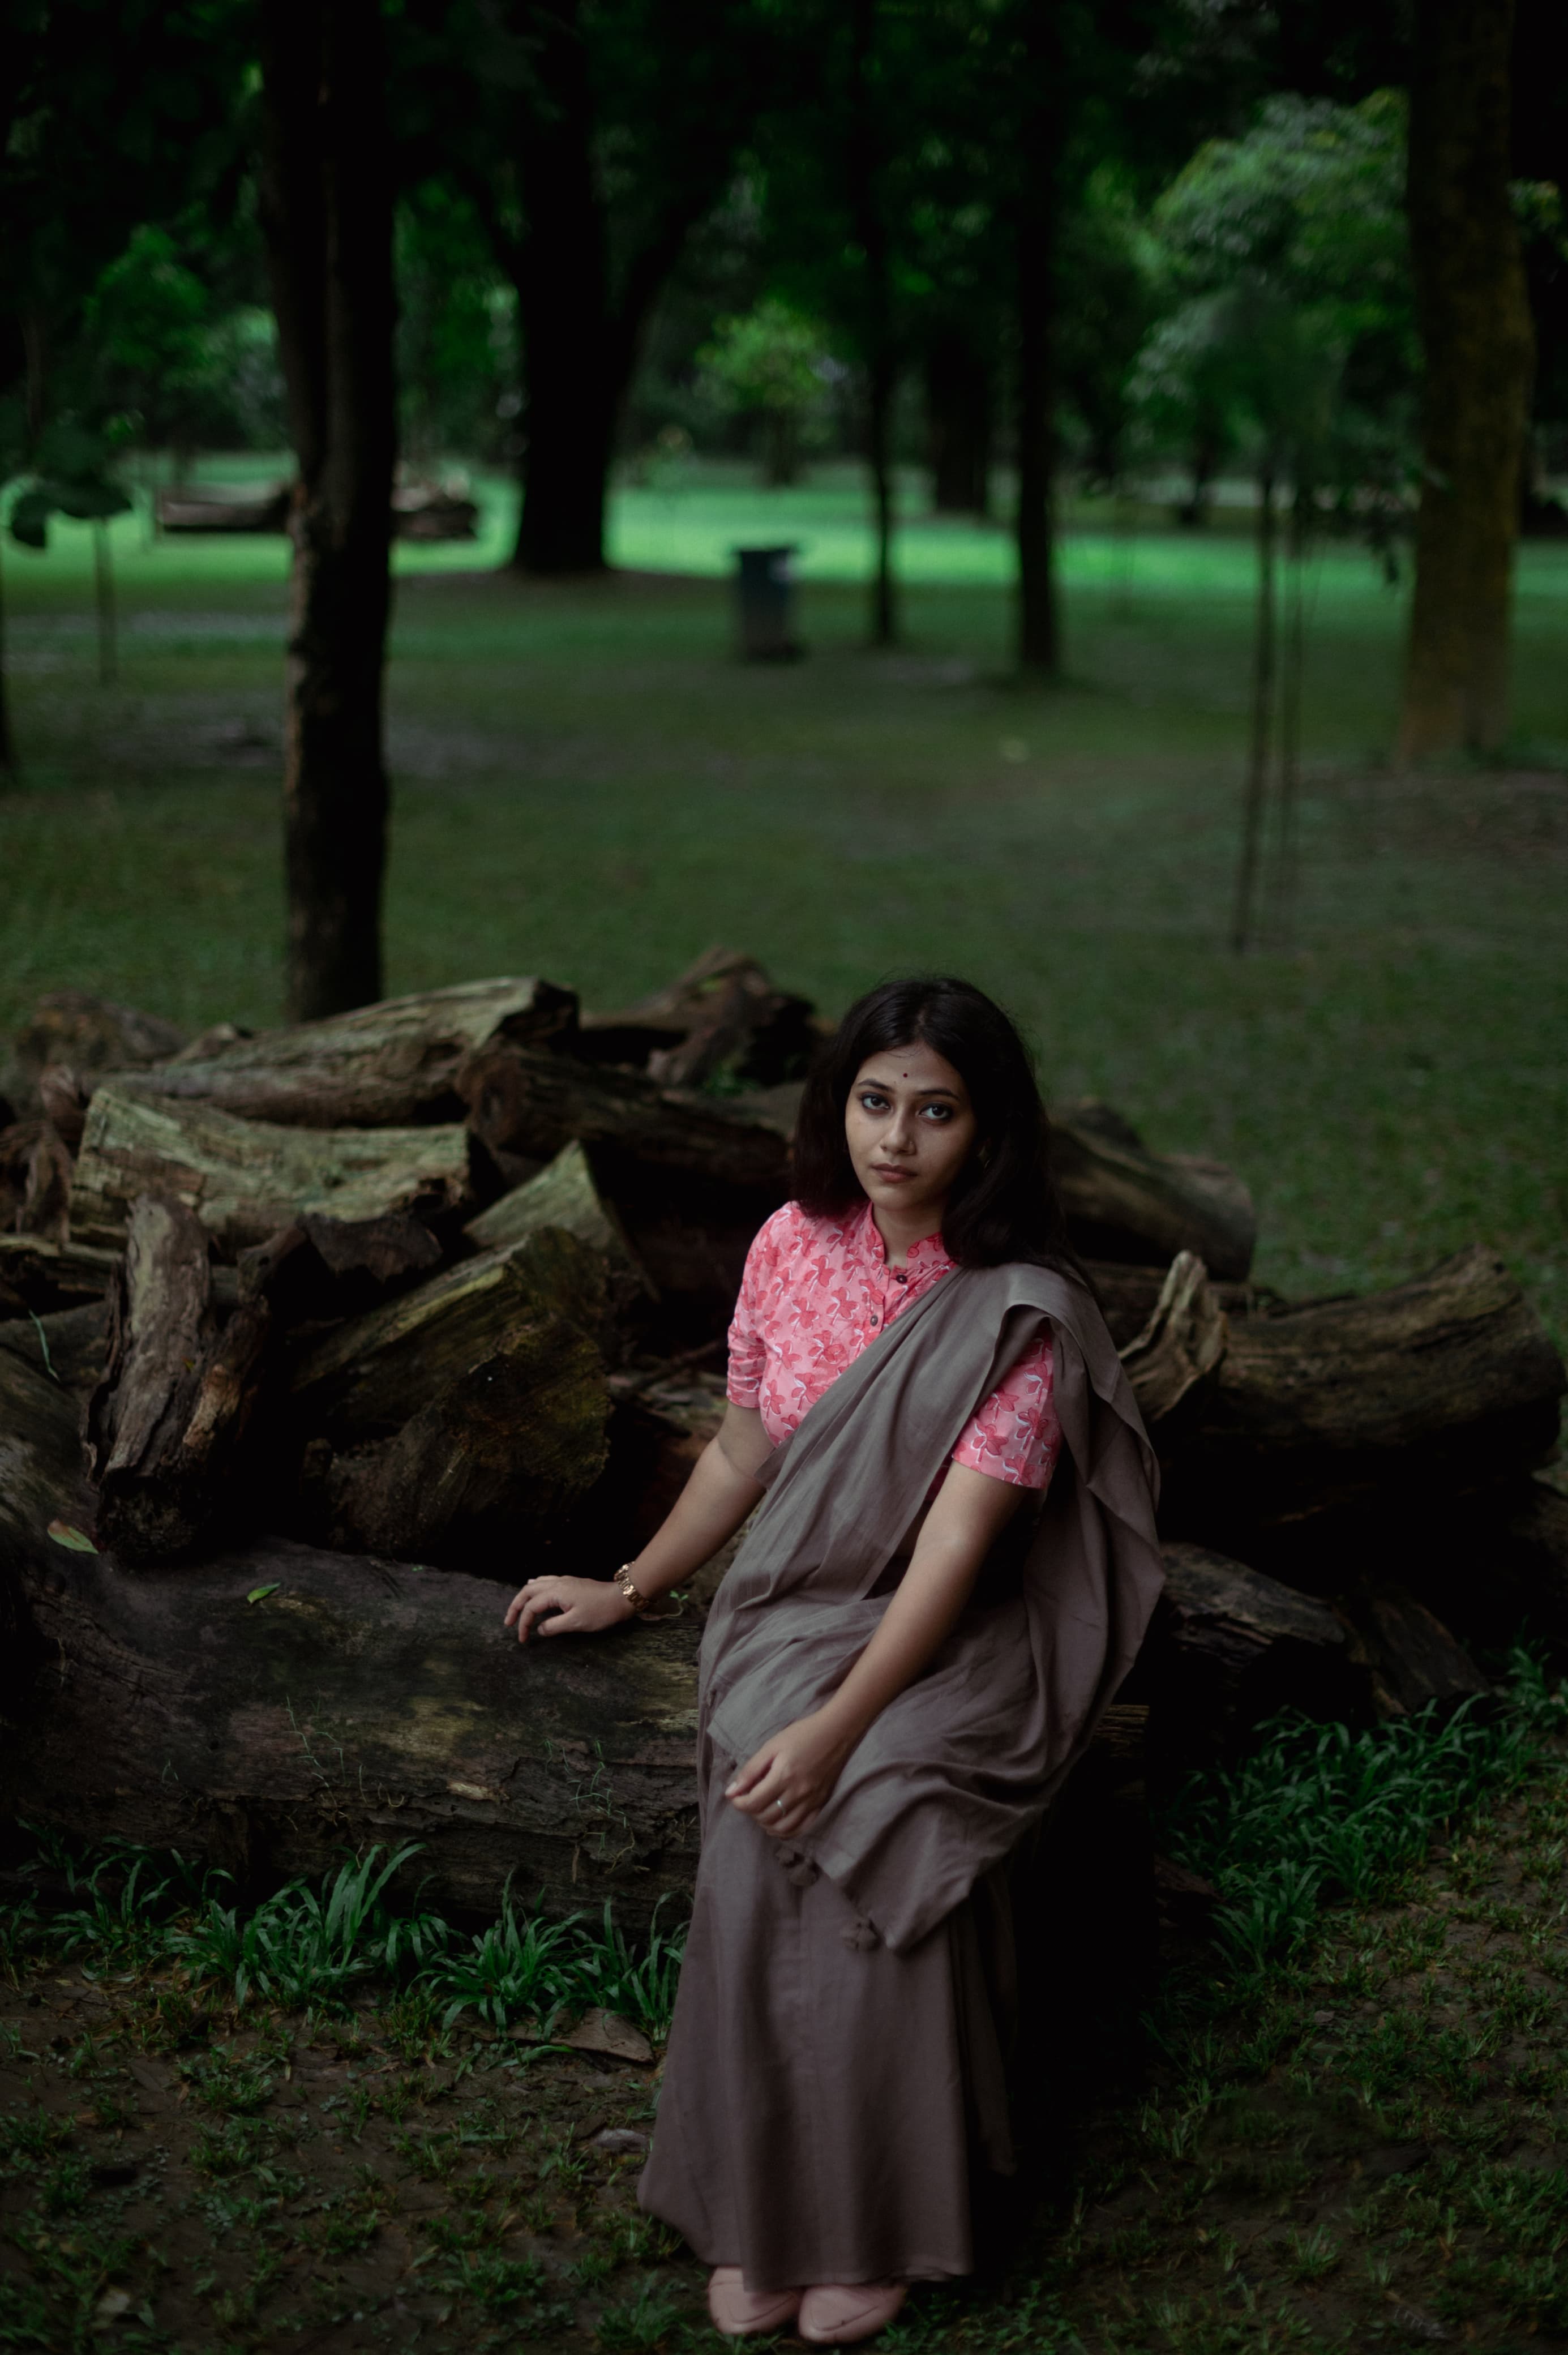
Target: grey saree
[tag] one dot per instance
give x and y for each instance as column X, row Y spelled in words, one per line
column 834, row 2063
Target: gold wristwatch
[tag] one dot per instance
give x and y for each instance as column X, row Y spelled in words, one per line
column 633, row 1594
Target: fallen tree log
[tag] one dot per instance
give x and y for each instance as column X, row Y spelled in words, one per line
column 357, row 1700
column 1228, row 1646
column 1413, row 1658
column 364, row 1381
column 165, row 1424
column 92, row 1034
column 1124, row 1202
column 724, row 1013
column 68, row 1346
column 1174, row 1361
column 245, row 1179
column 523, row 1103
column 34, row 1179
column 565, row 1195
column 37, row 1275
column 384, row 1066
column 1431, row 1389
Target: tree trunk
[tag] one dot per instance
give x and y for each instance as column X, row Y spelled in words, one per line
column 325, row 203
column 1038, row 612
column 958, row 418
column 563, row 298
column 166, row 1422
column 355, row 1700
column 1124, row 1202
column 104, row 603
column 378, row 1067
column 863, row 169
column 1255, row 796
column 1228, row 1646
column 1474, row 317
column 1433, row 1389
column 247, row 1178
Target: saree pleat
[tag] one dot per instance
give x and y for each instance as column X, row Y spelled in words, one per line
column 823, row 2097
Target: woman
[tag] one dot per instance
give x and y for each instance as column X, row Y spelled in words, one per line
column 900, row 1667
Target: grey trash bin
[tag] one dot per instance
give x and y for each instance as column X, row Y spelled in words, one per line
column 764, row 585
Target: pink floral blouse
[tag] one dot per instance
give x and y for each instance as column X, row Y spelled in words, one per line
column 816, row 1291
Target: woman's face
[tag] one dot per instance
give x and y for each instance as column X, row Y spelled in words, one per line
column 910, row 1128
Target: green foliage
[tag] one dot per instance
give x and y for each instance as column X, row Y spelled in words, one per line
column 71, row 477
column 512, row 1967
column 1291, row 330
column 302, row 1946
column 772, row 362
column 1316, row 1814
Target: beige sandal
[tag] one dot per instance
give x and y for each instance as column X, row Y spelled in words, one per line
column 738, row 2312
column 836, row 2314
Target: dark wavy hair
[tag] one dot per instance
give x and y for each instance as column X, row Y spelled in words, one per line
column 1004, row 1207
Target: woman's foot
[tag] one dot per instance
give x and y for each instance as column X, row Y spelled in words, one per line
column 836, row 2314
column 738, row 2311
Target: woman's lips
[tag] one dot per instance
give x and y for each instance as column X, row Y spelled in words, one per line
column 897, row 1176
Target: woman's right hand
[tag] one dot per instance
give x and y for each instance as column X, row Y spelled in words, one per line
column 576, row 1606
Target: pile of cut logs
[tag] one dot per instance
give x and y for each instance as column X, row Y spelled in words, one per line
column 314, row 1341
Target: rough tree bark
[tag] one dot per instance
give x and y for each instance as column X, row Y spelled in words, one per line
column 246, row 1178
column 958, row 420
column 877, row 331
column 327, row 210
column 1039, row 613
column 1474, row 317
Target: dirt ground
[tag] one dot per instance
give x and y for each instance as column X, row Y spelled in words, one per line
column 1372, row 2151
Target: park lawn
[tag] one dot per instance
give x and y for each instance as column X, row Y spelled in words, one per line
column 587, row 784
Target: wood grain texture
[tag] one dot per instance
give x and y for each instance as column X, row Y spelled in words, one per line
column 364, row 1700
column 1124, row 1202
column 246, row 1178
column 1436, row 1387
column 384, row 1066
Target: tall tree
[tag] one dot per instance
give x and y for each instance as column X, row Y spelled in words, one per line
column 1474, row 318
column 590, row 140
column 327, row 211
column 1036, row 206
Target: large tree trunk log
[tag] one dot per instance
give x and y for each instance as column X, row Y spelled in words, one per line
column 383, row 1066
column 36, row 1276
column 723, row 1012
column 1229, row 1645
column 325, row 206
column 88, row 1034
column 166, row 1422
column 245, row 1180
column 1173, row 1361
column 34, row 1179
column 1433, row 1387
column 564, row 1195
column 1473, row 312
column 360, row 1701
column 69, row 1345
column 1124, row 1202
column 531, row 1104
column 366, row 1379
column 1413, row 1658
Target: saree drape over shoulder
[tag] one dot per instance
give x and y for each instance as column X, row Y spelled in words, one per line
column 833, row 2061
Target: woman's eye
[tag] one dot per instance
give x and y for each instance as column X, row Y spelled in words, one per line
column 939, row 1112
column 871, row 1102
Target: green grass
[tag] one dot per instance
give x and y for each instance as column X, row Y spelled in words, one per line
column 589, row 785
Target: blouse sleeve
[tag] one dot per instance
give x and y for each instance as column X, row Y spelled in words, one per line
column 748, row 1353
column 1016, row 1435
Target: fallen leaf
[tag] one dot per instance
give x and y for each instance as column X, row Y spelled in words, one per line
column 78, row 1543
column 620, row 2139
column 110, row 2307
column 478, row 1791
column 259, row 1594
column 607, row 2032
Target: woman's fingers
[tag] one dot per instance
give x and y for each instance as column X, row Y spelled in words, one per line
column 751, row 1774
column 531, row 1606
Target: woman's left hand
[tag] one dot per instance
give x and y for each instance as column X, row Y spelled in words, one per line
column 787, row 1783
